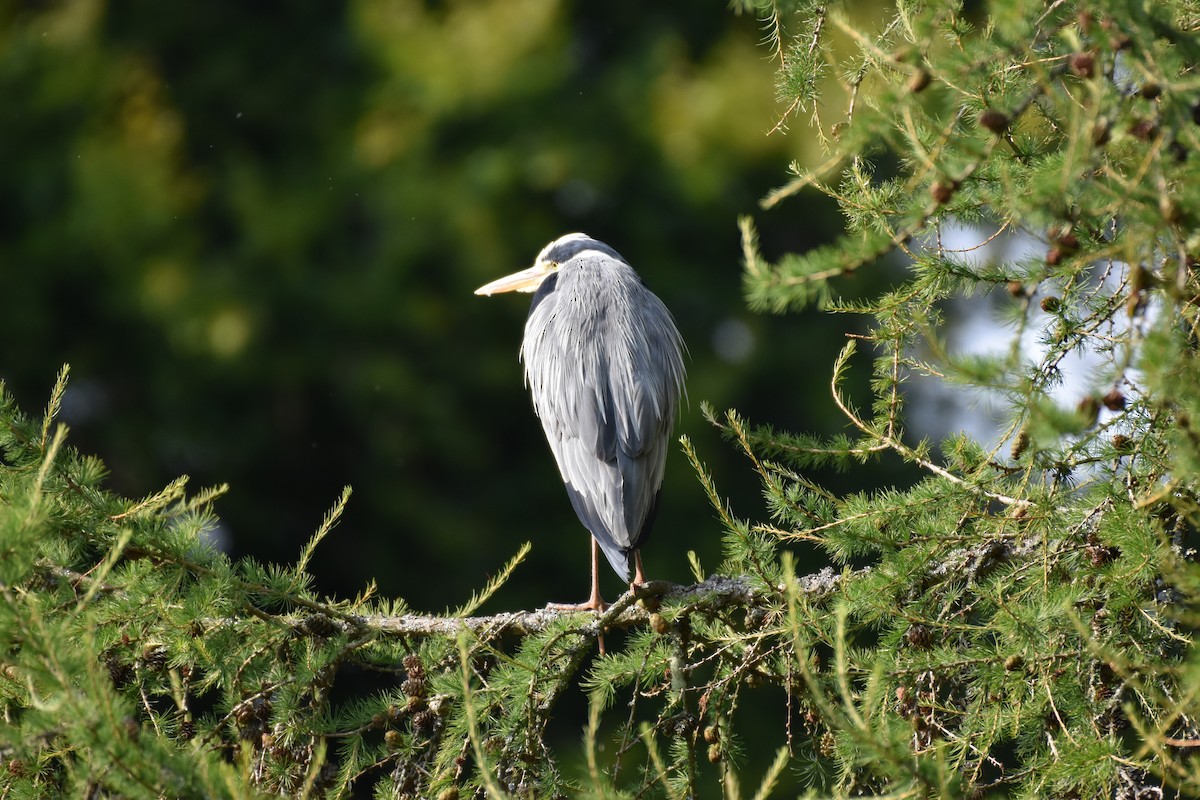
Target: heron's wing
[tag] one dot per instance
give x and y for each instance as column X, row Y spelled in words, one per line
column 607, row 404
column 645, row 378
column 594, row 487
column 576, row 411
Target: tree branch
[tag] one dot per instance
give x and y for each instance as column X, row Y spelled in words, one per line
column 630, row 609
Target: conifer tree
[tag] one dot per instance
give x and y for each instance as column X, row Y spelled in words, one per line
column 1017, row 622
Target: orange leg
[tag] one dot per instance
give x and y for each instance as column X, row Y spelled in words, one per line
column 639, row 577
column 595, row 602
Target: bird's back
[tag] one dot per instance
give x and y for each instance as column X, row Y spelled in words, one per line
column 604, row 362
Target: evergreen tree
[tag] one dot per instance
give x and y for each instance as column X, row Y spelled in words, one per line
column 1018, row 622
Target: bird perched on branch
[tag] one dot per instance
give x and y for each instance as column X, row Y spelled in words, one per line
column 604, row 362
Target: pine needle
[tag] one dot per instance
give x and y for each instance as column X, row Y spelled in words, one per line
column 51, row 452
column 656, row 759
column 331, row 519
column 151, row 504
column 482, row 596
column 595, row 708
column 468, row 699
column 772, row 776
column 54, row 405
column 97, row 579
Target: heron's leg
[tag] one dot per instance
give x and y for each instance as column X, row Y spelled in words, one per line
column 639, row 577
column 595, row 602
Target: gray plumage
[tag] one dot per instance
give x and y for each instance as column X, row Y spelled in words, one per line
column 604, row 362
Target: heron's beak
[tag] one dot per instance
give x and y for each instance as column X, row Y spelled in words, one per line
column 527, row 280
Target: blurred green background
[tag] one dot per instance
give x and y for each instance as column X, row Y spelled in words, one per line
column 253, row 230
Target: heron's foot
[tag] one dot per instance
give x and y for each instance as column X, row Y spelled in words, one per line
column 594, row 604
column 639, row 583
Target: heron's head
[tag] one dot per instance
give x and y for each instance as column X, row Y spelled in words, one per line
column 553, row 255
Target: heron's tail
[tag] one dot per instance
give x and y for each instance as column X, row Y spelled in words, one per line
column 620, row 558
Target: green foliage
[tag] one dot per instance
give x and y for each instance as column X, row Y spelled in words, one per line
column 1019, row 621
column 142, row 662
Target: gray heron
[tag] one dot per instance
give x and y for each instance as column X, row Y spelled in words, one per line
column 604, row 363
